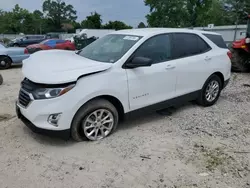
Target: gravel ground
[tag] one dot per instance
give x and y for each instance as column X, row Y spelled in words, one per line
column 190, row 147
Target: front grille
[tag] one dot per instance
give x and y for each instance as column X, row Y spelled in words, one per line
column 24, row 98
column 29, row 86
column 26, row 87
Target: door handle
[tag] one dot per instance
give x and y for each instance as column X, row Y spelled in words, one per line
column 170, row 67
column 208, row 58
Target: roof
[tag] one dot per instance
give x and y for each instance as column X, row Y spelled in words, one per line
column 154, row 31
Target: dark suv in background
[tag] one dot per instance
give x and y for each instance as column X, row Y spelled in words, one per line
column 31, row 39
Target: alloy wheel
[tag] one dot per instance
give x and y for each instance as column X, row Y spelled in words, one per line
column 98, row 124
column 212, row 91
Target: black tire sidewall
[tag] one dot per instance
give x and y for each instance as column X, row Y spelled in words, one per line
column 7, row 62
column 204, row 101
column 1, row 79
column 82, row 114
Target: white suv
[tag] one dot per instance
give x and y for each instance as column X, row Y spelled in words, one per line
column 84, row 94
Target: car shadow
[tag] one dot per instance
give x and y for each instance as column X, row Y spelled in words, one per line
column 16, row 66
column 141, row 119
column 127, row 123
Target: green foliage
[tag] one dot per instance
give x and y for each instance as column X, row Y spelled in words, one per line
column 117, row 25
column 195, row 9
column 55, row 14
column 93, row 21
column 237, row 10
column 141, row 25
column 58, row 12
column 166, row 13
column 192, row 13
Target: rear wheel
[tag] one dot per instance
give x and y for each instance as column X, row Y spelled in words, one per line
column 16, row 45
column 96, row 120
column 240, row 60
column 211, row 91
column 5, row 62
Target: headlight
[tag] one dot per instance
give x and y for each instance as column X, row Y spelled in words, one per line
column 48, row 93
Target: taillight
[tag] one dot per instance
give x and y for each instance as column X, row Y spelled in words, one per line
column 229, row 54
column 26, row 51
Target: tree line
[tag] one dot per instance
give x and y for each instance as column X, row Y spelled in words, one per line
column 195, row 13
column 57, row 16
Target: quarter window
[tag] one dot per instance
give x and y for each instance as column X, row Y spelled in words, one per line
column 157, row 48
column 217, row 39
column 188, row 45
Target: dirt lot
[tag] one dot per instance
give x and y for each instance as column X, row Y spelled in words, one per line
column 190, row 147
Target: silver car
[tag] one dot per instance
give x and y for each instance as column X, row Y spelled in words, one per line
column 11, row 55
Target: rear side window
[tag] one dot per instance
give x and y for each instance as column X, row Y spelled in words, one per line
column 157, row 48
column 186, row 44
column 217, row 39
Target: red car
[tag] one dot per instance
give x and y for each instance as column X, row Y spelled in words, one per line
column 51, row 44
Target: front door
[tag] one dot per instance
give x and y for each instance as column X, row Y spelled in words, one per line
column 154, row 84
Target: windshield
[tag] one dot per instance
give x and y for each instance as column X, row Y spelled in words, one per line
column 109, row 48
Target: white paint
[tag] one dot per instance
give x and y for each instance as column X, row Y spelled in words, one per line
column 59, row 66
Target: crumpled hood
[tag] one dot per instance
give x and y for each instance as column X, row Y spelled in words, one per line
column 59, row 66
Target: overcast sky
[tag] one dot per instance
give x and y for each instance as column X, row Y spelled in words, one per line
column 130, row 11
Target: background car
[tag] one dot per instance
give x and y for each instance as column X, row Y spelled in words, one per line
column 51, row 44
column 27, row 40
column 11, row 55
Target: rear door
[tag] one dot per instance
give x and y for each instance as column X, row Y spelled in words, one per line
column 192, row 56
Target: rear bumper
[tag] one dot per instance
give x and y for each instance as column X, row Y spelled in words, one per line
column 63, row 134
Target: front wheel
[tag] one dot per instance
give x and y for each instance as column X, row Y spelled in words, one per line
column 96, row 120
column 211, row 91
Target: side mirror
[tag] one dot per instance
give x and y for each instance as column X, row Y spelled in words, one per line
column 139, row 62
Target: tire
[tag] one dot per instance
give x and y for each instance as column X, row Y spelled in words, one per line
column 5, row 62
column 1, row 79
column 86, row 112
column 240, row 61
column 16, row 45
column 203, row 100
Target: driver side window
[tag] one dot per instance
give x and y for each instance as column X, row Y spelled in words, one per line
column 157, row 48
